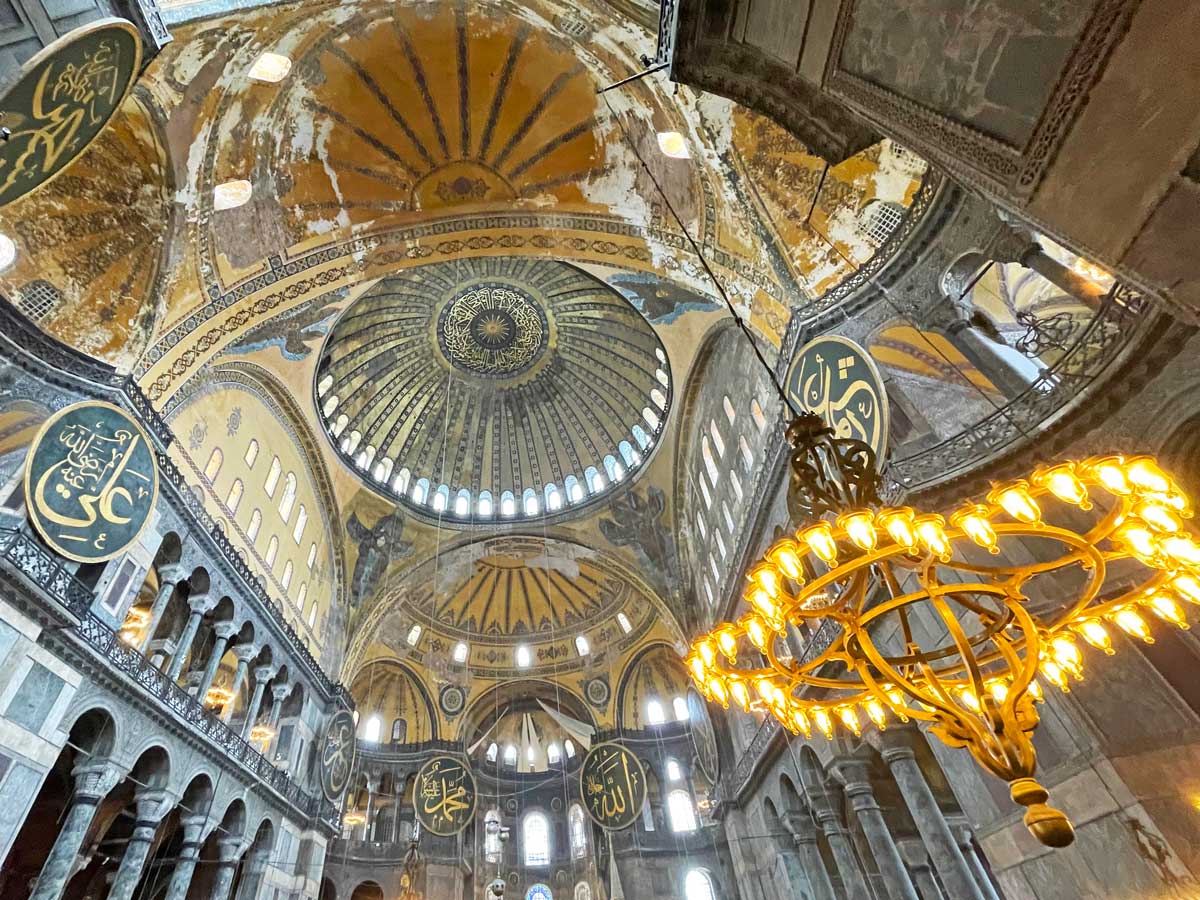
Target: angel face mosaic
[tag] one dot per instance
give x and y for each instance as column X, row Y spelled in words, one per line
column 91, row 481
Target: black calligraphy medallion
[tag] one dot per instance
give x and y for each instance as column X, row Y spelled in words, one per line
column 65, row 96
column 337, row 754
column 445, row 795
column 838, row 380
column 91, row 481
column 613, row 786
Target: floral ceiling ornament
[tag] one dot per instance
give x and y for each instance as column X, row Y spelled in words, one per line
column 916, row 616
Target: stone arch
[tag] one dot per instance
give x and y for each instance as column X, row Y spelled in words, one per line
column 658, row 667
column 367, row 890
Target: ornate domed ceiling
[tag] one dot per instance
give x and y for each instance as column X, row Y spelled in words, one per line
column 492, row 389
column 511, row 605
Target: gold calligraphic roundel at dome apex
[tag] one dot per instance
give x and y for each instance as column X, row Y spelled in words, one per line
column 493, row 389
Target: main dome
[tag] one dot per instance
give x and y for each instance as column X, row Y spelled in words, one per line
column 485, row 390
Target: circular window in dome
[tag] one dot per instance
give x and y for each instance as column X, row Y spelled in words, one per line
column 487, row 390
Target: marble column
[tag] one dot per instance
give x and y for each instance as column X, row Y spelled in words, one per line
column 223, row 631
column 1066, row 279
column 853, row 882
column 983, row 353
column 262, row 674
column 396, row 812
column 168, row 577
column 199, row 604
column 931, row 823
column 855, row 775
column 93, row 781
column 189, row 854
column 244, row 653
column 372, row 791
column 804, row 834
column 228, row 854
column 151, row 804
column 279, row 693
column 917, row 859
column 966, row 844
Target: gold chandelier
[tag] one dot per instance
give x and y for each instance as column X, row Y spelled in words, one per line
column 909, row 618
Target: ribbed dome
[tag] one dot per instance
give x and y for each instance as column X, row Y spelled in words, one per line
column 492, row 389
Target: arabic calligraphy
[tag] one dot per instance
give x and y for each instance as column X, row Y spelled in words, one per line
column 337, row 754
column 837, row 380
column 65, row 96
column 445, row 795
column 613, row 785
column 91, row 481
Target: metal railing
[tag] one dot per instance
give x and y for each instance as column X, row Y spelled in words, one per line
column 47, row 572
column 1118, row 323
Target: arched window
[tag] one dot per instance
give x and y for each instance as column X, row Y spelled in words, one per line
column 288, row 500
column 651, row 417
column 508, row 504
column 420, row 490
column 659, row 398
column 330, row 405
column 710, row 464
column 510, row 755
column 273, row 477
column 324, row 385
column 681, row 709
column 579, row 841
column 681, row 811
column 441, row 498
column 698, row 886
column 234, row 499
column 255, row 524
column 553, row 754
column 372, row 729
column 704, row 491
column 312, row 615
column 485, row 504
column 399, row 731
column 524, row 657
column 730, row 414
column 340, row 424
column 728, row 518
column 301, row 521
column 383, row 470
column 674, row 773
column 302, row 596
column 272, row 549
column 461, row 649
column 214, row 464
column 583, row 891
column 462, row 503
column 493, row 751
column 595, row 481
column 747, row 455
column 400, row 485
column 718, row 441
column 251, row 453
column 573, row 488
column 626, row 450
column 654, row 712
column 623, row 621
column 582, row 645
column 737, row 484
column 553, row 498
column 570, row 748
column 312, row 555
column 350, row 444
column 529, row 502
column 639, row 435
column 286, row 580
column 535, row 835
column 414, row 635
column 756, row 411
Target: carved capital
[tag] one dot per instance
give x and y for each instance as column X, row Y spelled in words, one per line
column 203, row 602
column 263, row 674
column 171, row 574
column 1010, row 244
column 226, row 630
column 95, row 778
column 280, row 692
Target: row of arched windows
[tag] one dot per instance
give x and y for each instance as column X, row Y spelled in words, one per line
column 287, row 504
column 697, row 885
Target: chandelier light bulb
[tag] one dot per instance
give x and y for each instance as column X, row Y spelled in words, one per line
column 800, row 723
column 765, row 688
column 1182, row 549
column 931, row 532
column 1188, row 588
column 1145, row 474
column 1096, row 634
column 974, row 524
column 740, row 694
column 727, row 641
column 1139, row 538
column 786, row 555
column 876, row 713
column 1164, row 606
column 899, row 525
column 850, row 719
column 819, row 538
column 1055, row 675
column 756, row 631
column 998, row 688
column 1062, row 482
column 860, row 528
column 696, row 664
column 762, row 602
column 820, row 717
column 1035, row 691
column 1018, row 503
column 1110, row 472
column 707, row 653
column 1159, row 517
column 1067, row 655
column 718, row 692
column 1128, row 620
column 968, row 699
column 767, row 577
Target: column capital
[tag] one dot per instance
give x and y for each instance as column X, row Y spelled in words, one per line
column 152, row 804
column 193, row 829
column 203, row 602
column 95, row 778
column 226, row 630
column 171, row 573
column 914, row 853
column 280, row 692
column 229, row 848
column 263, row 674
column 801, row 826
column 373, row 782
column 1010, row 244
column 246, row 652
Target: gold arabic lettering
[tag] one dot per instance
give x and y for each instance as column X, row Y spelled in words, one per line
column 93, row 461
